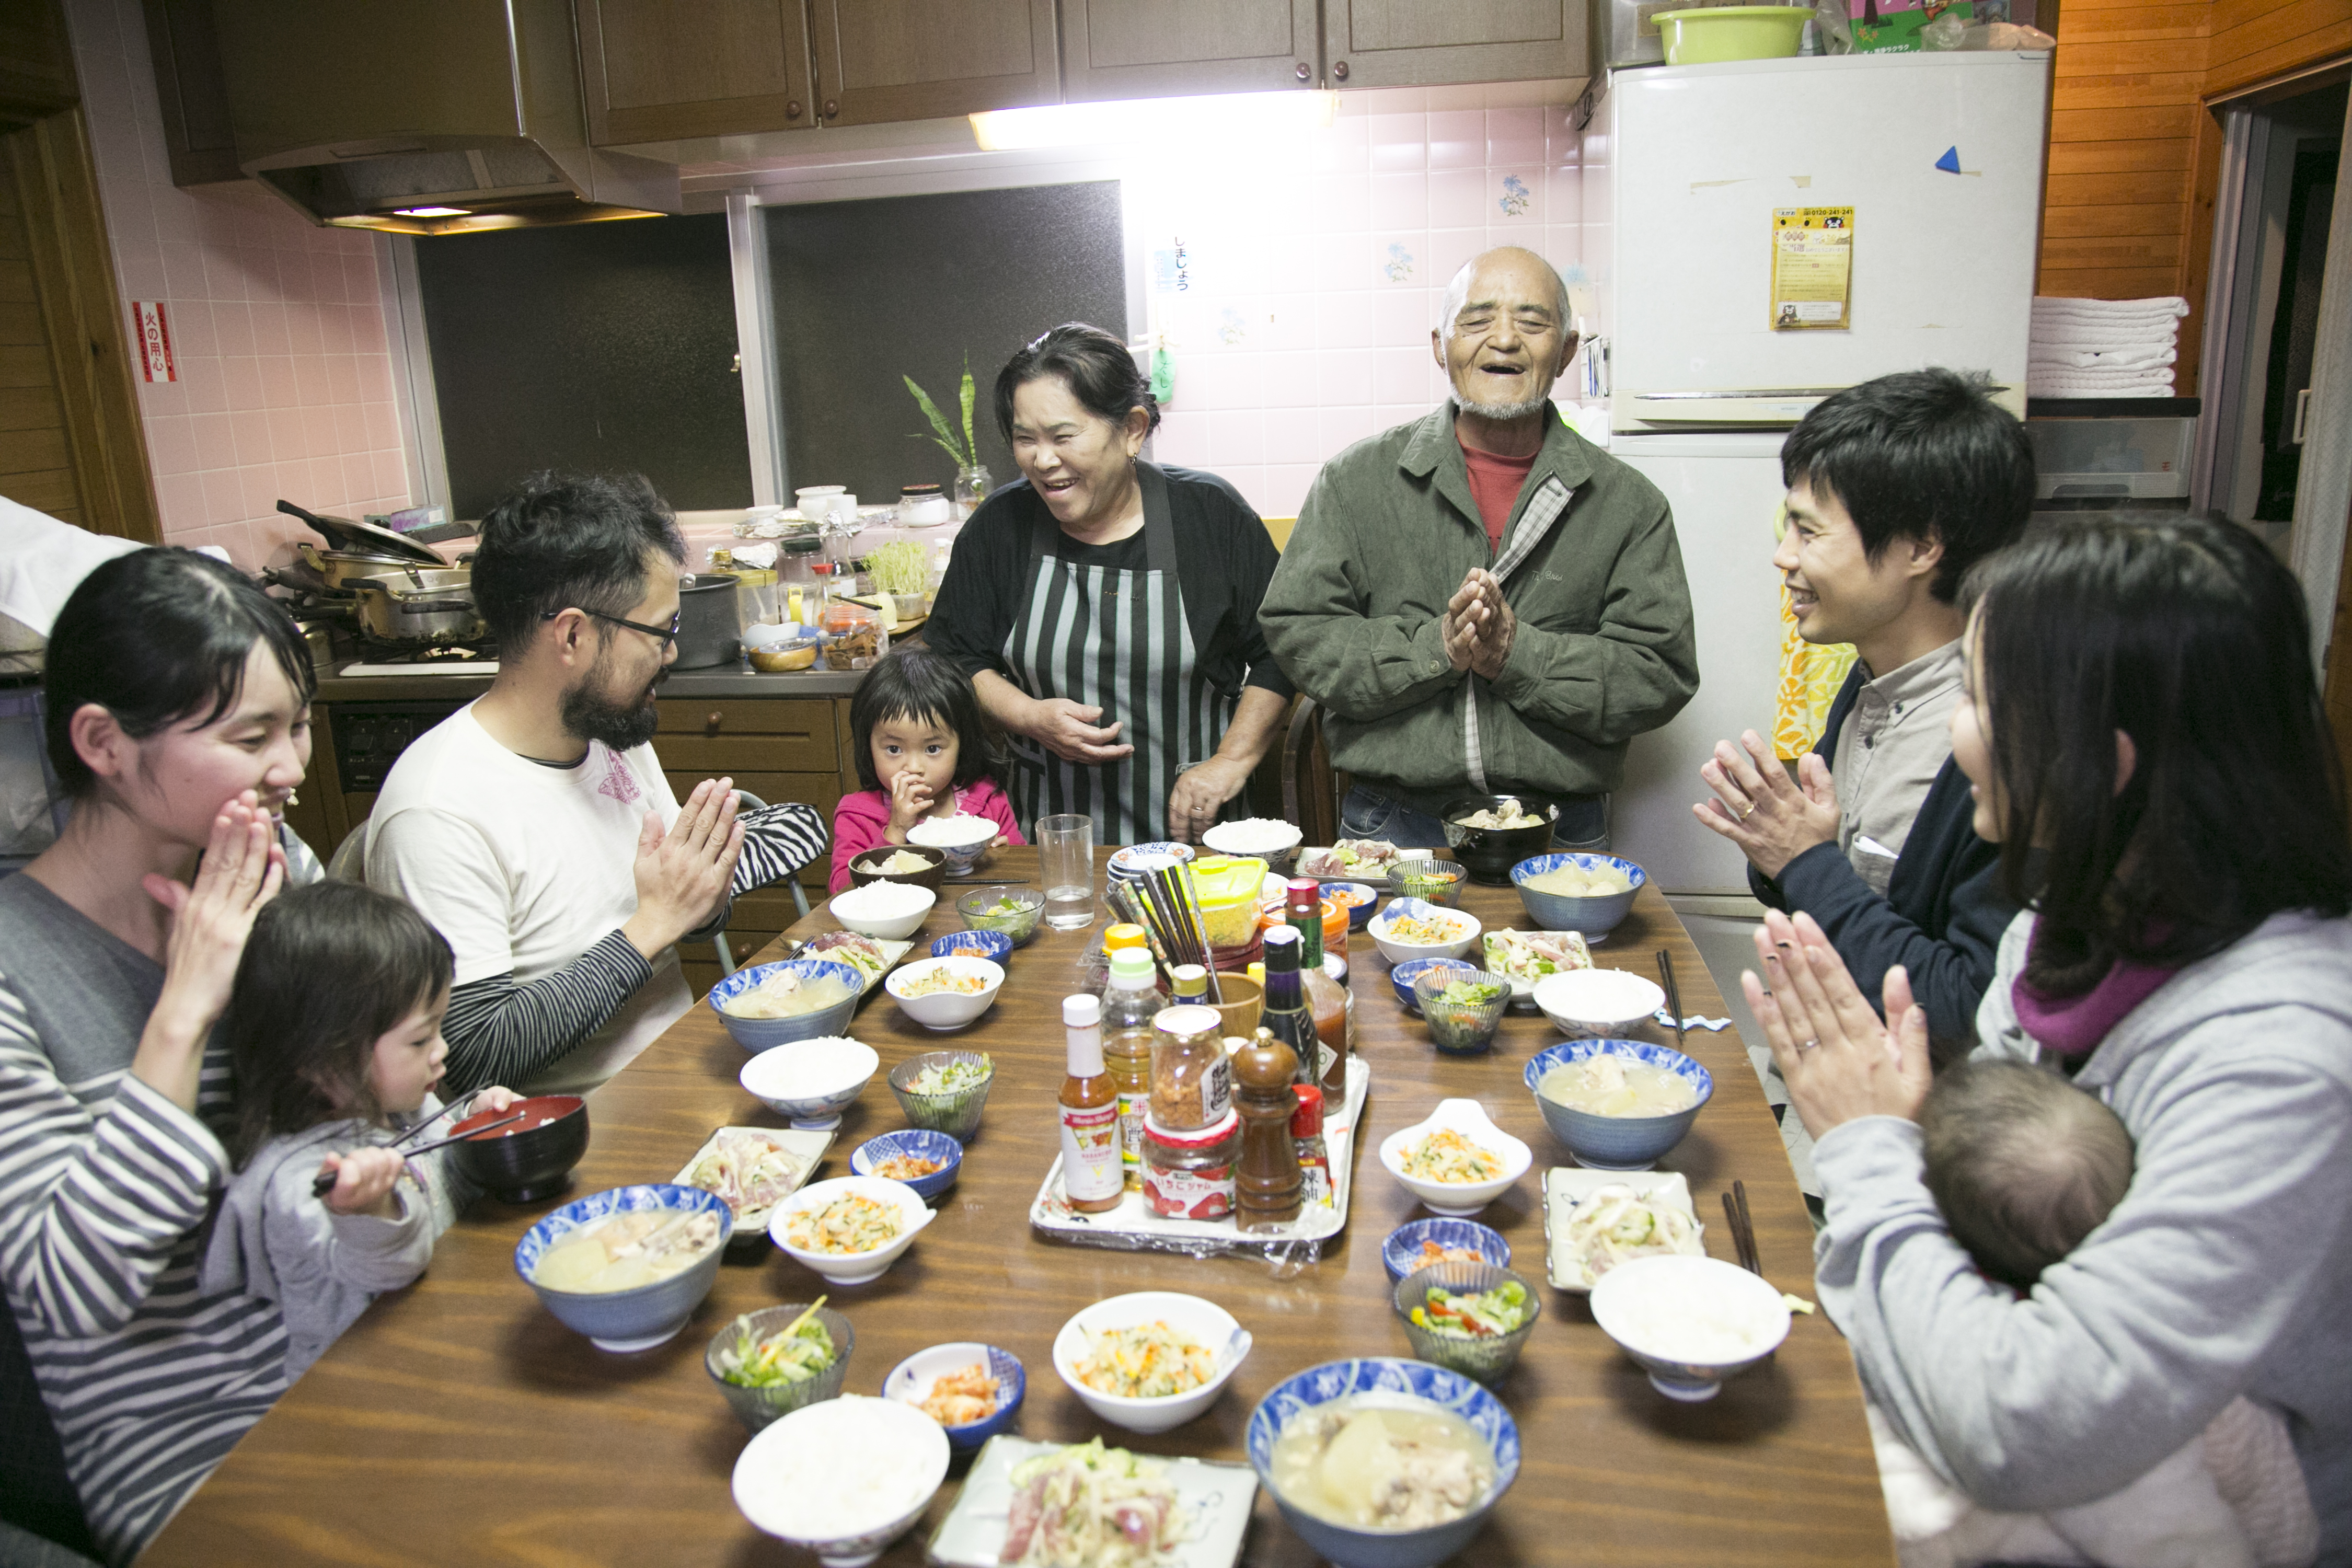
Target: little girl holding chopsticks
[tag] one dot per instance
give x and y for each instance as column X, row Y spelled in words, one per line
column 333, row 1032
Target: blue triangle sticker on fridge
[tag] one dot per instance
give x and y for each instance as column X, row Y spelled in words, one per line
column 1950, row 161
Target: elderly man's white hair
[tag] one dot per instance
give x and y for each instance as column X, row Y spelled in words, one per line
column 1457, row 293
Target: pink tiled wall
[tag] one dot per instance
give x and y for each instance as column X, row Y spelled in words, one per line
column 285, row 383
column 1314, row 273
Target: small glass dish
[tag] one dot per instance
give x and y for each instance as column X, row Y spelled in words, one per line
column 1488, row 1358
column 981, row 910
column 757, row 1407
column 1432, row 881
column 956, row 1114
column 1460, row 1028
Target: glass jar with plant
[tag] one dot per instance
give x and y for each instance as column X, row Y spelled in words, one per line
column 973, row 481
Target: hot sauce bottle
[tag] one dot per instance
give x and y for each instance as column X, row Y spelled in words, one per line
column 1091, row 1179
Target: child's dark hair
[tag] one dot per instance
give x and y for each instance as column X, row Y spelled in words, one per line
column 2024, row 1165
column 916, row 683
column 328, row 970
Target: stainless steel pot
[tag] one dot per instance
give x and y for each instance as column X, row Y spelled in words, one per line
column 339, row 569
column 418, row 606
column 710, row 623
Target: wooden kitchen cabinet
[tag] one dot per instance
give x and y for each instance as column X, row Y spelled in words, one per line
column 879, row 61
column 661, row 70
column 1163, row 49
column 1433, row 43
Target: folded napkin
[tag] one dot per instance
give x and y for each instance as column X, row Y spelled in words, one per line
column 2172, row 305
column 2066, row 358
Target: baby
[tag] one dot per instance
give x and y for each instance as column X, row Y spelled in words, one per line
column 2025, row 1166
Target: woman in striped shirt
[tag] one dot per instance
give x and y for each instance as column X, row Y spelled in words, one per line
column 178, row 719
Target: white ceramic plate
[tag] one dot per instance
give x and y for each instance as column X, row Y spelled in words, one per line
column 1566, row 1186
column 1216, row 1497
column 804, row 1149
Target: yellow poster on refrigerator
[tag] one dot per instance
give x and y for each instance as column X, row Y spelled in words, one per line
column 1812, row 268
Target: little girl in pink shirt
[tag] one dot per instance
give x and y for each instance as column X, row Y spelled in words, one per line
column 922, row 750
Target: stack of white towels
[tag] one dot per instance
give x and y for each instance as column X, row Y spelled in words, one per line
column 2103, row 348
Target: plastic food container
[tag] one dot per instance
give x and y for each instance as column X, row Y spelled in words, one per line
column 1719, row 33
column 1190, row 1175
column 1228, row 887
column 858, row 637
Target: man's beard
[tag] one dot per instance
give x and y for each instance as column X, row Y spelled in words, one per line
column 588, row 713
column 1501, row 411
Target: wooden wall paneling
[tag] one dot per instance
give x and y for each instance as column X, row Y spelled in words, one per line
column 2251, row 40
column 33, row 467
column 73, row 276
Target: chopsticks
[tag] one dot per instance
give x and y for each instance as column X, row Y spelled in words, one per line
column 325, row 1183
column 1164, row 896
column 1743, row 1229
column 1674, row 993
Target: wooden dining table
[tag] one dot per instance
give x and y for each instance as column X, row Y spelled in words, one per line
column 458, row 1422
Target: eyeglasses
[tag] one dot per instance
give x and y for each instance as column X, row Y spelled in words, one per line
column 664, row 635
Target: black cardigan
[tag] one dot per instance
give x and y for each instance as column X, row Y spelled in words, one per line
column 1943, row 913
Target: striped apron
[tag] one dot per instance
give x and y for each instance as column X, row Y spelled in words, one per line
column 1117, row 640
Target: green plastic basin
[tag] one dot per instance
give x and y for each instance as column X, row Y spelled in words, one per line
column 1721, row 33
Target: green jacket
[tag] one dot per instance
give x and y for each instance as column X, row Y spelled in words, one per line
column 1590, row 569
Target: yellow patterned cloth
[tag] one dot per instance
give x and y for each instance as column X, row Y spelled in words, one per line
column 1810, row 674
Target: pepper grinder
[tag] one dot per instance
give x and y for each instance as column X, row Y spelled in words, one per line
column 1267, row 1179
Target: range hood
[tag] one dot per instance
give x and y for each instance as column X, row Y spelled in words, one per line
column 423, row 116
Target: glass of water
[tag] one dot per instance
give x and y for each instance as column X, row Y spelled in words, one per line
column 1065, row 865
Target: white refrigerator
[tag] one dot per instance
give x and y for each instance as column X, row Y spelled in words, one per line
column 1932, row 166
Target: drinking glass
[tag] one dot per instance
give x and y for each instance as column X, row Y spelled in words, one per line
column 1065, row 866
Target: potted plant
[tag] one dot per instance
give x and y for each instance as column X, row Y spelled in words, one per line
column 973, row 481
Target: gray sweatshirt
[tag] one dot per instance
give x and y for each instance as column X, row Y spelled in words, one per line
column 2227, row 1269
column 275, row 1240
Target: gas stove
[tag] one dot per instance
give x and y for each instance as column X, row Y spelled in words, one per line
column 379, row 658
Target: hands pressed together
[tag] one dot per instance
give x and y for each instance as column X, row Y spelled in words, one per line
column 1840, row 1062
column 682, row 873
column 1478, row 624
column 242, row 868
column 1771, row 818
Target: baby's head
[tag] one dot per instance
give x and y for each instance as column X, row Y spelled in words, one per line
column 2024, row 1165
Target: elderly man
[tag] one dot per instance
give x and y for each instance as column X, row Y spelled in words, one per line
column 534, row 827
column 1482, row 602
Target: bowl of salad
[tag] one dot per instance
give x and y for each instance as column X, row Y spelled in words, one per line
column 973, row 1390
column 1462, row 1010
column 1417, row 1244
column 945, row 993
column 944, row 1091
column 1527, row 958
column 1471, row 1317
column 850, row 1229
column 1401, row 977
column 1150, row 1361
column 926, row 1161
column 1457, row 1162
column 1423, row 875
column 1012, row 910
column 770, row 1363
column 1413, row 927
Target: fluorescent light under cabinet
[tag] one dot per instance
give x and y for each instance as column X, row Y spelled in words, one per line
column 1220, row 116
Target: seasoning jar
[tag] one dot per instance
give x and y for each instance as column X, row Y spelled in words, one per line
column 1314, row 1154
column 1189, row 1173
column 924, row 505
column 858, row 636
column 1192, row 1079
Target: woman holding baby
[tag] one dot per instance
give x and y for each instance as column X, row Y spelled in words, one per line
column 2146, row 743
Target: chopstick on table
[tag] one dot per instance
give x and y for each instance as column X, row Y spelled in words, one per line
column 1743, row 1229
column 325, row 1183
column 1674, row 993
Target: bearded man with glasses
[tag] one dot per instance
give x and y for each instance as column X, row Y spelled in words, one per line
column 534, row 827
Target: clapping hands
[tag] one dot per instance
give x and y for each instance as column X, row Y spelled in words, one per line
column 1478, row 624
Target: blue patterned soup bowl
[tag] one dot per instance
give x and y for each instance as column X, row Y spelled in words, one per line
column 1399, row 1384
column 1401, row 1254
column 646, row 1315
column 763, row 1033
column 1596, row 918
column 1618, row 1142
column 920, row 1143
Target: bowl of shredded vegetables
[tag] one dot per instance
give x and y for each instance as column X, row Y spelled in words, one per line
column 973, row 1390
column 850, row 1229
column 1462, row 1010
column 772, row 1361
column 1457, row 1161
column 1152, row 1359
column 944, row 1091
column 1012, row 910
column 1472, row 1317
column 945, row 993
column 926, row 1161
column 1414, row 928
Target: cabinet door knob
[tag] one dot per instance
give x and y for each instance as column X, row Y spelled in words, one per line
column 1305, row 71
column 1339, row 70
column 832, row 108
column 710, row 725
column 791, row 108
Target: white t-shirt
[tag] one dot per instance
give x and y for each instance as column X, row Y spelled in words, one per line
column 524, row 867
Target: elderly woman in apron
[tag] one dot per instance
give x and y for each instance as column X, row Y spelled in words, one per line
column 1106, row 608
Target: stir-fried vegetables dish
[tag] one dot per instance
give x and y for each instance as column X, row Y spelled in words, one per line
column 934, row 981
column 850, row 1223
column 1447, row 1156
column 1150, row 1361
column 1090, row 1507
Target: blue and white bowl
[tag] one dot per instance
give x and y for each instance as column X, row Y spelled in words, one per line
column 992, row 945
column 1401, row 977
column 1618, row 1142
column 635, row 1320
column 765, row 1033
column 1359, row 914
column 921, row 1143
column 1401, row 1251
column 1130, row 864
column 1594, row 916
column 1406, row 1384
column 910, row 1382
